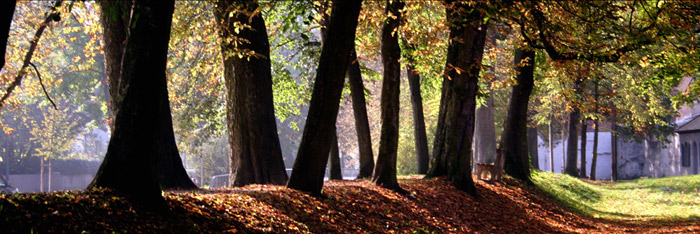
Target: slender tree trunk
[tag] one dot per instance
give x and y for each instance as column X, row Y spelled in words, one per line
column 563, row 144
column 8, row 9
column 532, row 147
column 115, row 20
column 594, row 160
column 335, row 171
column 514, row 136
column 48, row 189
column 307, row 174
column 420, row 137
column 485, row 133
column 551, row 143
column 359, row 107
column 572, row 148
column 253, row 140
column 584, row 126
column 41, row 175
column 613, row 141
column 385, row 170
column 131, row 163
column 452, row 151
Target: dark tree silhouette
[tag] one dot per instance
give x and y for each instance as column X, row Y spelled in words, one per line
column 359, row 108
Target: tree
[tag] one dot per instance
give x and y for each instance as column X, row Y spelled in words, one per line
column 420, row 138
column 334, row 163
column 307, row 173
column 359, row 107
column 584, row 126
column 256, row 155
column 514, row 135
column 572, row 141
column 131, row 163
column 455, row 128
column 8, row 9
column 385, row 170
column 115, row 20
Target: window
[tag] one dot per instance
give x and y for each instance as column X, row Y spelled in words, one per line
column 685, row 155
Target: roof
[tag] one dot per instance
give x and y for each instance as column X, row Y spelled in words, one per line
column 688, row 124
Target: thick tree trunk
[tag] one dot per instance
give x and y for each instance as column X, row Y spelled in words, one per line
column 532, row 147
column 613, row 142
column 584, row 126
column 131, row 163
column 115, row 20
column 8, row 9
column 420, row 138
column 452, row 151
column 572, row 145
column 594, row 160
column 255, row 148
column 335, row 172
column 385, row 170
column 307, row 174
column 514, row 136
column 359, row 108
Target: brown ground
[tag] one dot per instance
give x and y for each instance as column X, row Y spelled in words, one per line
column 433, row 206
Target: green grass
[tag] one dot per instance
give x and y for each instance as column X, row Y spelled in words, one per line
column 670, row 198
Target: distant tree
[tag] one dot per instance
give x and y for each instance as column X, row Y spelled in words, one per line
column 420, row 138
column 312, row 156
column 256, row 155
column 359, row 107
column 131, row 163
column 115, row 19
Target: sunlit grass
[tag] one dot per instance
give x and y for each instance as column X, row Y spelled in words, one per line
column 670, row 198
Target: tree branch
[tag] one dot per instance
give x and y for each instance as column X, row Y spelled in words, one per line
column 42, row 86
column 54, row 15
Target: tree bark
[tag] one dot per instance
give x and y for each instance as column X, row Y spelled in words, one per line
column 452, row 150
column 385, row 170
column 572, row 145
column 8, row 9
column 532, row 147
column 594, row 160
column 308, row 170
column 514, row 136
column 551, row 143
column 583, row 173
column 420, row 138
column 115, row 20
column 359, row 108
column 256, row 155
column 131, row 163
column 335, row 172
column 613, row 141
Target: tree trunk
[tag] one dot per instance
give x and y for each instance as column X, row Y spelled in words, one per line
column 613, row 141
column 420, row 138
column 115, row 20
column 584, row 126
column 252, row 131
column 359, row 108
column 41, row 175
column 563, row 145
column 514, row 136
column 485, row 133
column 452, row 151
column 335, row 172
column 551, row 144
column 8, row 9
column 594, row 160
column 385, row 170
column 572, row 145
column 307, row 173
column 532, row 147
column 131, row 163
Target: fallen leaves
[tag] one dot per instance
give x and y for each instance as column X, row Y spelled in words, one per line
column 432, row 206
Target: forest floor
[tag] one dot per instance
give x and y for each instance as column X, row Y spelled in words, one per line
column 432, row 206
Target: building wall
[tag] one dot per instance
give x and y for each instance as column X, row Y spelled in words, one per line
column 690, row 138
column 29, row 183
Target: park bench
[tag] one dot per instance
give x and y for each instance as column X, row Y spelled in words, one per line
column 495, row 170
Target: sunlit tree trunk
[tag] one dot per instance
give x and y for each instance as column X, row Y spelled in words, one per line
column 255, row 148
column 8, row 9
column 312, row 156
column 359, row 108
column 385, row 170
column 115, row 19
column 131, row 163
column 452, row 150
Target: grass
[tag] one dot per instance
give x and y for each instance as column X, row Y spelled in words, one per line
column 670, row 198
